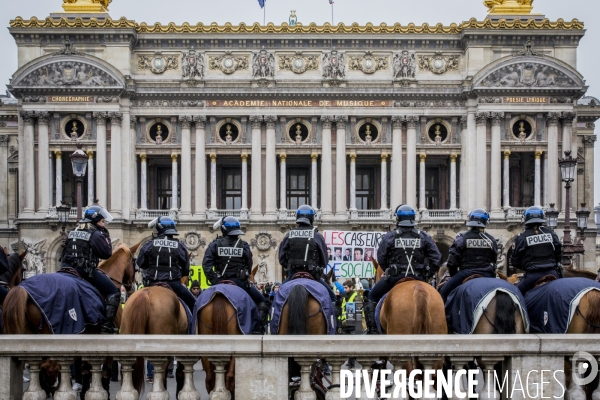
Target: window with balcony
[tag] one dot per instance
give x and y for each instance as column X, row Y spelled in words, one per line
column 365, row 188
column 297, row 187
column 164, row 187
column 231, row 189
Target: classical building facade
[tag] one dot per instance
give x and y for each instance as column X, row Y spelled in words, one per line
column 201, row 121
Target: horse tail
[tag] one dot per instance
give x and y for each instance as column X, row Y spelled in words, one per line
column 593, row 315
column 422, row 317
column 296, row 303
column 137, row 324
column 219, row 315
column 14, row 318
column 504, row 321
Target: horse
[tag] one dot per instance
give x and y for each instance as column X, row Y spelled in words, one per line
column 152, row 310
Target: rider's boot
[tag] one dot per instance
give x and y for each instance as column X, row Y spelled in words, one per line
column 111, row 305
column 369, row 309
column 263, row 312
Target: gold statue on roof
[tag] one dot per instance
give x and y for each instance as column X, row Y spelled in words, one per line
column 86, row 6
column 509, row 7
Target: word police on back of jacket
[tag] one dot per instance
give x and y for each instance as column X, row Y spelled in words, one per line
column 173, row 244
column 303, row 234
column 478, row 244
column 539, row 239
column 230, row 251
column 403, row 242
column 82, row 235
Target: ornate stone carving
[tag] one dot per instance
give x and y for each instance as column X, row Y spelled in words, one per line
column 590, row 125
column 527, row 74
column 438, row 64
column 404, row 65
column 482, row 117
column 107, row 99
column 28, row 116
column 263, row 65
column 4, row 140
column 256, row 121
column 552, row 118
column 167, row 103
column 397, row 121
column 589, row 140
column 326, row 121
column 298, row 64
column 43, row 117
column 270, row 120
column 68, row 73
column 334, row 65
column 192, row 65
column 193, row 240
column 429, row 103
column 528, row 51
column 158, row 63
column 228, row 63
column 68, row 49
column 115, row 117
column 567, row 117
column 100, row 117
column 261, row 273
column 368, row 63
column 411, row 121
column 186, row 120
column 2, row 124
column 263, row 241
column 200, row 121
column 497, row 117
column 34, row 99
column 490, row 100
column 34, row 260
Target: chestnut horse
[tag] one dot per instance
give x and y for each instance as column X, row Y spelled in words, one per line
column 301, row 314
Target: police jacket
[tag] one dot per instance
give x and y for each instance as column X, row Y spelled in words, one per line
column 8, row 266
column 225, row 257
column 86, row 247
column 303, row 248
column 473, row 249
column 165, row 259
column 536, row 248
column 402, row 244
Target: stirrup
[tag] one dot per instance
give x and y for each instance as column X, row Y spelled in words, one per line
column 108, row 328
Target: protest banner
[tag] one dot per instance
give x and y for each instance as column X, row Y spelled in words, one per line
column 351, row 253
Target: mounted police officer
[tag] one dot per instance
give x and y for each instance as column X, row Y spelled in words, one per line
column 474, row 252
column 9, row 264
column 537, row 250
column 402, row 254
column 230, row 258
column 85, row 246
column 166, row 259
column 303, row 249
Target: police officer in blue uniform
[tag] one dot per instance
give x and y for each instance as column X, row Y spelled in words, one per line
column 537, row 250
column 8, row 267
column 303, row 249
column 402, row 254
column 230, row 258
column 85, row 246
column 165, row 259
column 474, row 252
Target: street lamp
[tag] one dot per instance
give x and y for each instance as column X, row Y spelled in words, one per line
column 79, row 162
column 552, row 217
column 63, row 216
column 582, row 219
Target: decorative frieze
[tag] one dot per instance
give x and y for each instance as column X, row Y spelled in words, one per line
column 368, row 63
column 68, row 73
column 228, row 63
column 334, row 65
column 158, row 63
column 263, row 65
column 438, row 63
column 298, row 63
column 405, row 65
column 167, row 103
column 528, row 74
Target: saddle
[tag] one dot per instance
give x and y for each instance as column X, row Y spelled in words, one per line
column 475, row 276
column 545, row 279
column 227, row 282
column 302, row 274
column 162, row 285
column 407, row 279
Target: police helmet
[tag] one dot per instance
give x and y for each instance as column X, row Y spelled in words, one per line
column 230, row 226
column 479, row 218
column 305, row 215
column 95, row 214
column 164, row 226
column 406, row 215
column 534, row 215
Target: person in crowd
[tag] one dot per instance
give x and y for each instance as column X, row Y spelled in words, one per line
column 195, row 289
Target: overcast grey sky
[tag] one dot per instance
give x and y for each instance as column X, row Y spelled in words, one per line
column 319, row 11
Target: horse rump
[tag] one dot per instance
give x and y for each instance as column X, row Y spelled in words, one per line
column 593, row 314
column 421, row 317
column 219, row 314
column 296, row 304
column 14, row 308
column 504, row 322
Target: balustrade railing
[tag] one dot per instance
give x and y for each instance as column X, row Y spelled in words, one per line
column 53, row 214
column 261, row 361
column 370, row 214
column 216, row 214
column 441, row 214
column 151, row 214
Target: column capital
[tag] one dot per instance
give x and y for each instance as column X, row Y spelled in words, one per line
column 397, row 121
column 314, row 157
column 90, row 154
column 283, row 157
column 199, row 120
column 463, row 122
column 411, row 121
column 43, row 117
column 422, row 157
column 453, row 157
column 538, row 154
column 481, row 118
column 4, row 141
column 567, row 117
column 213, row 158
column 115, row 117
column 174, row 157
column 244, row 157
column 588, row 140
column 256, row 121
column 143, row 157
column 270, row 120
column 132, row 121
column 384, row 156
column 100, row 117
column 352, row 157
column 58, row 154
column 341, row 121
column 552, row 118
column 507, row 154
column 326, row 121
column 27, row 116
column 497, row 118
column 186, row 121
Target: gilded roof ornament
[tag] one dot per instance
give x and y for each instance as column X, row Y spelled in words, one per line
column 509, row 7
column 86, row 6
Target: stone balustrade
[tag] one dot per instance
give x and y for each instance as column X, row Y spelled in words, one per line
column 261, row 361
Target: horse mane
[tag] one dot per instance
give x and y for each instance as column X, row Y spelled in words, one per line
column 121, row 255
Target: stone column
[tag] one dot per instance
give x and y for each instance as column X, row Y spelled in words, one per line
column 100, row 118
column 186, row 167
column 554, row 176
column 496, row 166
column 143, row 182
column 569, row 144
column 313, row 180
column 115, row 164
column 213, row 181
column 58, row 181
column 200, row 177
column 453, row 181
column 545, row 180
column 127, row 185
column 384, row 181
column 28, row 119
column 537, row 190
column 506, row 183
column 51, row 178
column 422, row 202
column 352, row 181
column 411, row 160
column 469, row 163
column 174, row 182
column 244, row 182
column 341, row 206
column 132, row 190
column 481, row 169
column 326, row 173
column 271, row 170
column 396, row 169
column 4, row 186
column 90, row 176
column 282, row 182
column 256, row 196
column 464, row 201
column 43, row 165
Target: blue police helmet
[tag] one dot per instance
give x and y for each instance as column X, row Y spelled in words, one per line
column 166, row 226
column 230, row 226
column 406, row 215
column 479, row 218
column 534, row 215
column 305, row 215
column 95, row 214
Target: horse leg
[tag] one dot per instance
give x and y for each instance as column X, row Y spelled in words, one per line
column 209, row 368
column 165, row 368
column 179, row 378
column 230, row 377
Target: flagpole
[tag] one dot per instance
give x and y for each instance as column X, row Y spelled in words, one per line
column 265, row 13
column 332, row 14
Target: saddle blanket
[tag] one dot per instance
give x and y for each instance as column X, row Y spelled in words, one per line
column 553, row 305
column 247, row 313
column 378, row 312
column 68, row 303
column 188, row 314
column 466, row 304
column 315, row 289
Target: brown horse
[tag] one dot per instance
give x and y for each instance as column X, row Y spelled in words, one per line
column 152, row 311
column 301, row 314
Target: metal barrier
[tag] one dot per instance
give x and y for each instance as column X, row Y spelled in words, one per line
column 262, row 361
